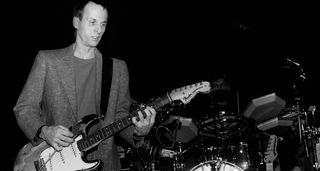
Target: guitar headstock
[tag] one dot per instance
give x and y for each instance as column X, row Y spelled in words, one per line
column 187, row 93
column 271, row 152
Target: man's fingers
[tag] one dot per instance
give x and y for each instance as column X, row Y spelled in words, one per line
column 64, row 131
column 66, row 139
column 62, row 143
column 56, row 146
column 153, row 117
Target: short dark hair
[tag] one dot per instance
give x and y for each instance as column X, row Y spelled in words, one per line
column 80, row 4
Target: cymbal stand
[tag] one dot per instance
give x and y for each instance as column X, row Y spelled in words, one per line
column 216, row 166
column 177, row 164
column 315, row 139
column 302, row 136
column 302, row 77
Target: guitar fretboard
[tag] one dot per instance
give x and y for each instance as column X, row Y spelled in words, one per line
column 118, row 125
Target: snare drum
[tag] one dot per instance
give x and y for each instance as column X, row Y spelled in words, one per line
column 218, row 165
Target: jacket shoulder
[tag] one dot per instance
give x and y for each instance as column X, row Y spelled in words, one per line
column 118, row 61
column 55, row 52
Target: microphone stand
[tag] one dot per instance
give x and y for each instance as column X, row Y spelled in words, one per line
column 297, row 99
column 304, row 128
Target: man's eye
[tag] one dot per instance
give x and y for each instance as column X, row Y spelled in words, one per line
column 92, row 22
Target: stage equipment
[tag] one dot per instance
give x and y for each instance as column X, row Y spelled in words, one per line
column 239, row 142
column 182, row 157
column 222, row 126
column 176, row 129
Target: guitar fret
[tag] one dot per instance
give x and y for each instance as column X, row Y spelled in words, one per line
column 129, row 120
column 80, row 145
column 94, row 138
column 90, row 139
column 111, row 128
column 99, row 135
column 120, row 124
column 104, row 132
column 108, row 131
column 115, row 126
column 125, row 122
column 86, row 143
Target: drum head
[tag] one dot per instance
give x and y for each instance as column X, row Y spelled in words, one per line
column 216, row 165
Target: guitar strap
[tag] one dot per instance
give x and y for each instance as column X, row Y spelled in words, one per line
column 107, row 68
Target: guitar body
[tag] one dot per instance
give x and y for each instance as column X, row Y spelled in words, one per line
column 27, row 155
column 43, row 157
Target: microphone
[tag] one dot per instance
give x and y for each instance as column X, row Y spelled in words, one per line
column 293, row 62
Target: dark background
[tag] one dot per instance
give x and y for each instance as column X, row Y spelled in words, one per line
column 172, row 44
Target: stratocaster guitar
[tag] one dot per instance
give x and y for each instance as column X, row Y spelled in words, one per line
column 271, row 152
column 44, row 158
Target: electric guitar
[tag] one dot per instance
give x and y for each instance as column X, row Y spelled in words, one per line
column 43, row 157
column 271, row 152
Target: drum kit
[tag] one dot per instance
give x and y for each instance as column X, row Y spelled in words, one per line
column 225, row 143
column 224, row 140
column 220, row 141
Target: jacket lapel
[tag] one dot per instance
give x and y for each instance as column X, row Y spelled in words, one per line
column 98, row 57
column 67, row 76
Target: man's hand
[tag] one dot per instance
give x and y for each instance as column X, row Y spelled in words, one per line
column 57, row 136
column 145, row 121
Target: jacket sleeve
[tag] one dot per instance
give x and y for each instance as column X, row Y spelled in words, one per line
column 27, row 109
column 123, row 103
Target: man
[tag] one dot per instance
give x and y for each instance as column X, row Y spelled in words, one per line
column 64, row 85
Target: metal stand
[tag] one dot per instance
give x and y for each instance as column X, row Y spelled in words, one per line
column 308, row 133
column 177, row 164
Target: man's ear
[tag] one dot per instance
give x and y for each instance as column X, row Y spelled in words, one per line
column 75, row 22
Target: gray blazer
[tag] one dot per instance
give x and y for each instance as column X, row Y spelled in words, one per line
column 49, row 97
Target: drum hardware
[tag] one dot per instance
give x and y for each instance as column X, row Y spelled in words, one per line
column 177, row 156
column 214, row 152
column 181, row 158
column 176, row 129
column 310, row 135
column 177, row 164
column 166, row 134
column 241, row 157
column 223, row 126
column 307, row 130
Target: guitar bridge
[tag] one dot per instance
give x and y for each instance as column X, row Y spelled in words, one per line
column 40, row 165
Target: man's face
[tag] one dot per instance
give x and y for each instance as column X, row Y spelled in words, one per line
column 92, row 25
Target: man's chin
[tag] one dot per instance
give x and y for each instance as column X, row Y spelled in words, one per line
column 94, row 43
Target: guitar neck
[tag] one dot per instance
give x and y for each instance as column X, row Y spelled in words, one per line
column 118, row 125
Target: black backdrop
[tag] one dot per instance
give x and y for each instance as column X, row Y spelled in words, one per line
column 172, row 44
